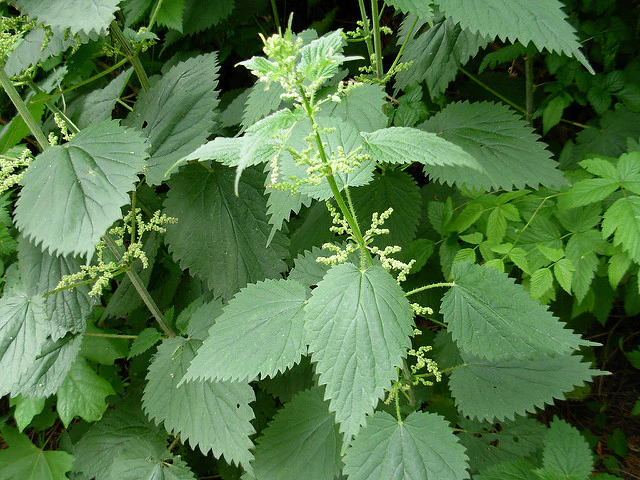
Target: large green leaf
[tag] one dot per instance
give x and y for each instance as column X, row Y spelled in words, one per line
column 264, row 320
column 502, row 389
column 437, row 53
column 199, row 16
column 581, row 252
column 40, row 273
column 542, row 22
column 88, row 16
column 73, row 192
column 519, row 469
column 24, row 461
column 622, row 220
column 358, row 325
column 23, row 331
column 121, row 430
column 33, row 50
column 501, row 142
column 362, row 107
column 177, row 113
column 566, row 453
column 421, row 446
column 212, row 415
column 220, row 237
column 302, row 441
column 492, row 317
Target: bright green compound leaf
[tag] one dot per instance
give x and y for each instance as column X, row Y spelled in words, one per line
column 497, row 390
column 302, row 441
column 588, row 191
column 170, row 14
column 566, row 452
column 419, row 8
column 358, row 326
column 73, row 192
column 622, row 220
column 26, row 409
column 581, row 251
column 121, row 430
column 23, row 330
column 82, row 394
column 407, row 145
column 177, row 113
column 40, row 273
column 619, row 263
column 421, row 446
column 222, row 238
column 542, row 22
column 146, row 339
column 24, row 461
column 501, row 142
column 492, row 317
column 437, row 53
column 395, row 189
column 510, row 470
column 87, row 16
column 563, row 270
column 265, row 322
column 212, row 415
column 540, row 283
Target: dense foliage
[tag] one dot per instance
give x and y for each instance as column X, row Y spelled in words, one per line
column 239, row 244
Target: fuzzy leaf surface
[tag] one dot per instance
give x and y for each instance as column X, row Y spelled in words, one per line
column 492, row 317
column 358, row 326
column 566, row 453
column 501, row 142
column 302, row 441
column 265, row 322
column 85, row 16
column 212, row 415
column 222, row 238
column 422, row 446
column 73, row 192
column 497, row 390
column 542, row 22
column 177, row 113
column 622, row 220
column 24, row 461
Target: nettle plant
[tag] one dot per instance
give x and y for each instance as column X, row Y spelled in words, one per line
column 307, row 347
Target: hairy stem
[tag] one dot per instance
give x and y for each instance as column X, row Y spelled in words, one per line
column 131, row 56
column 155, row 14
column 377, row 41
column 428, row 287
column 110, row 335
column 142, row 291
column 366, row 28
column 24, row 112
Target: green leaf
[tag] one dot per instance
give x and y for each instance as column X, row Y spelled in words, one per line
column 588, row 191
column 542, row 22
column 619, row 263
column 419, row 8
column 23, row 330
column 177, row 113
column 73, row 192
column 263, row 100
column 87, row 16
column 24, row 461
column 362, row 107
column 199, row 16
column 302, row 441
column 307, row 270
column 497, row 390
column 32, row 50
column 501, row 142
column 82, row 394
column 40, row 273
column 407, row 145
column 467, row 217
column 212, row 415
column 437, row 53
column 146, row 339
column 321, row 59
column 492, row 317
column 102, row 349
column 519, row 258
column 552, row 113
column 121, row 430
column 170, row 14
column 578, row 220
column 581, row 250
column 519, row 469
column 563, row 271
column 421, row 446
column 26, row 409
column 540, row 283
column 357, row 325
column 16, row 130
column 566, row 452
column 395, row 189
column 150, row 463
column 622, row 220
column 553, row 254
column 201, row 317
column 265, row 321
column 222, row 238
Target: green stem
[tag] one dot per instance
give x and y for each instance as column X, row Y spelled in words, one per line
column 398, row 414
column 110, row 335
column 377, row 41
column 142, row 291
column 365, row 27
column 131, row 56
column 492, row 91
column 402, row 47
column 24, row 112
column 276, row 18
column 154, row 14
column 428, row 287
column 528, row 82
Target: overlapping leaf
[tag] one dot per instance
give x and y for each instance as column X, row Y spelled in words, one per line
column 502, row 389
column 212, row 415
column 622, row 220
column 361, row 107
column 502, row 143
column 73, row 192
column 358, row 325
column 220, row 237
column 87, row 16
column 492, row 317
column 421, row 446
column 177, row 113
column 302, row 441
column 566, row 453
column 32, row 49
column 416, row 7
column 265, row 322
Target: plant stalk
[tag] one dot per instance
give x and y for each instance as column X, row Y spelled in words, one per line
column 528, row 82
column 429, row 287
column 155, row 14
column 366, row 28
column 377, row 41
column 131, row 56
